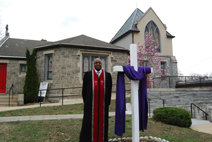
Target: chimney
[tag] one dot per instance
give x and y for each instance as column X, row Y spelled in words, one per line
column 3, row 40
column 7, row 33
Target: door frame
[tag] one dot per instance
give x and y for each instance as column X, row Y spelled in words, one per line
column 4, row 79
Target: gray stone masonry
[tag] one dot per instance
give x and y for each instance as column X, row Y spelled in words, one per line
column 171, row 71
column 182, row 98
column 66, row 69
column 14, row 77
column 20, row 99
column 210, row 113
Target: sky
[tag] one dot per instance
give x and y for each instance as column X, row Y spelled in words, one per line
column 188, row 20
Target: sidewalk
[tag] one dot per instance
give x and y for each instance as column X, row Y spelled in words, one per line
column 44, row 117
column 197, row 125
column 201, row 126
column 65, row 102
column 76, row 101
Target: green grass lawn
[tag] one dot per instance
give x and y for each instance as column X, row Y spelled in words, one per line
column 69, row 130
column 54, row 110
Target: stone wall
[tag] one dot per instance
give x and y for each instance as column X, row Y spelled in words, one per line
column 67, row 68
column 167, row 82
column 181, row 98
column 14, row 77
column 210, row 113
column 118, row 59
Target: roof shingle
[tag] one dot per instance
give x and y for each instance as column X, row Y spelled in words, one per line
column 129, row 25
column 17, row 47
column 83, row 41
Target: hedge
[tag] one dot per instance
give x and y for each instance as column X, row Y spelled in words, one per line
column 173, row 116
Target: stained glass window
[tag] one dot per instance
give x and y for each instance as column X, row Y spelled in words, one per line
column 152, row 29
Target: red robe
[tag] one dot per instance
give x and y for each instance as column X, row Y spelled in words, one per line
column 96, row 95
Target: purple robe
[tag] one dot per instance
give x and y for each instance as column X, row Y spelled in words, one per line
column 120, row 97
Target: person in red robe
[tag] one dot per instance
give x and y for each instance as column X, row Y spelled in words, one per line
column 96, row 93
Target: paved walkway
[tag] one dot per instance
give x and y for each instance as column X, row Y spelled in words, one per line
column 198, row 125
column 202, row 126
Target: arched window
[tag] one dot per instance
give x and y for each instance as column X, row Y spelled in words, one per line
column 153, row 30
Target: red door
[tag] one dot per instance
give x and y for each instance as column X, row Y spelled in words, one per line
column 3, row 77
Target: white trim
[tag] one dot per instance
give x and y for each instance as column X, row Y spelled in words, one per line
column 13, row 57
column 98, row 52
column 4, row 61
column 163, row 61
column 22, row 62
column 48, row 52
column 4, row 41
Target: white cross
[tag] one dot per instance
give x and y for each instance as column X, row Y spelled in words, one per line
column 134, row 92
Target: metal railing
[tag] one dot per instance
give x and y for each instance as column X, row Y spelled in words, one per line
column 206, row 114
column 181, row 81
column 62, row 93
column 11, row 89
column 149, row 105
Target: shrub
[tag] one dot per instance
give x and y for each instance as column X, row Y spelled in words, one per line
column 173, row 116
column 31, row 85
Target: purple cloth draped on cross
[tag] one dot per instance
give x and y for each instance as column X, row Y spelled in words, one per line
column 120, row 97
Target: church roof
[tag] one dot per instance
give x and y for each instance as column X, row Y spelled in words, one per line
column 83, row 41
column 169, row 35
column 16, row 48
column 129, row 25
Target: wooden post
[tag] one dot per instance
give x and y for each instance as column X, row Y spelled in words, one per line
column 134, row 95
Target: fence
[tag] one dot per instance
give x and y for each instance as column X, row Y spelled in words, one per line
column 62, row 96
column 181, row 82
column 57, row 96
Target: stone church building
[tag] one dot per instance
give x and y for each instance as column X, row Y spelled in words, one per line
column 135, row 29
column 62, row 63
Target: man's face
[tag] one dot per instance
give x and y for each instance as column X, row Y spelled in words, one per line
column 97, row 64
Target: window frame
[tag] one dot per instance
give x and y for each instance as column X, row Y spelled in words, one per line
column 20, row 67
column 151, row 25
column 164, row 67
column 90, row 61
column 47, row 58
